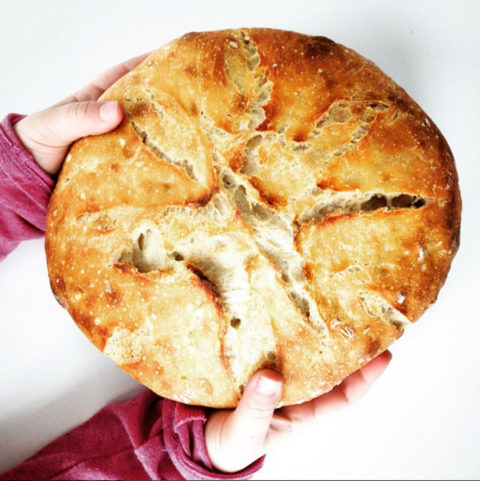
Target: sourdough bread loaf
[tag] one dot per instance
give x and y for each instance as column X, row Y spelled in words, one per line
column 270, row 199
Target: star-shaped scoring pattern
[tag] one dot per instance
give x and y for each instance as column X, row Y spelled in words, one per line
column 245, row 237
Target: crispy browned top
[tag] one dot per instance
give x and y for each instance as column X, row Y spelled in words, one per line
column 270, row 200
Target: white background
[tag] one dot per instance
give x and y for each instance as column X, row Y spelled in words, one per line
column 421, row 420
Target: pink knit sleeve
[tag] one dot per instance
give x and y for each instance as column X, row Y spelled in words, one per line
column 24, row 190
column 145, row 438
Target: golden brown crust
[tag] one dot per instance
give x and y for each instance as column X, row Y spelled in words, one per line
column 270, row 200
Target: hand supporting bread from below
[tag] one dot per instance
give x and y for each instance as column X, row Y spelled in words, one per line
column 236, row 438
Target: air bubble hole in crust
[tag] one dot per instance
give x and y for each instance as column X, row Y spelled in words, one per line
column 271, row 356
column 235, row 322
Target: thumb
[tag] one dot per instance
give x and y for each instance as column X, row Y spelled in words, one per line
column 47, row 134
column 241, row 438
column 66, row 123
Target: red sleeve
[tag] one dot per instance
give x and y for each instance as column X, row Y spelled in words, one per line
column 24, row 190
column 145, row 438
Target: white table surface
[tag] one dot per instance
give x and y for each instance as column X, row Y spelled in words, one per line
column 421, row 420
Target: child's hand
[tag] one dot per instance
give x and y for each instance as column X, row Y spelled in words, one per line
column 237, row 438
column 48, row 134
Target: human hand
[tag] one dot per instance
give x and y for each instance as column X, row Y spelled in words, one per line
column 48, row 134
column 237, row 438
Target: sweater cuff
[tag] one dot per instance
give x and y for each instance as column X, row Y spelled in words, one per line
column 26, row 188
column 185, row 442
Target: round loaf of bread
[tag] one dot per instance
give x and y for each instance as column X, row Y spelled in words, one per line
column 270, row 199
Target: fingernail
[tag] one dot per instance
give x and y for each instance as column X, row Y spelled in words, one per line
column 268, row 387
column 108, row 111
